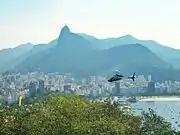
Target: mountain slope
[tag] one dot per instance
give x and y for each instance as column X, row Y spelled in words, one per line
column 168, row 54
column 137, row 58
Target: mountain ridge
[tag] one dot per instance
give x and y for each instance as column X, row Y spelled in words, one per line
column 84, row 55
column 167, row 53
column 77, row 55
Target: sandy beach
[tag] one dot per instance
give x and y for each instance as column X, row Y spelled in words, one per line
column 170, row 98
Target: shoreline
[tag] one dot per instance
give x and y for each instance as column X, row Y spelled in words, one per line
column 160, row 98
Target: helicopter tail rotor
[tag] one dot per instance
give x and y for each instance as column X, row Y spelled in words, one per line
column 133, row 77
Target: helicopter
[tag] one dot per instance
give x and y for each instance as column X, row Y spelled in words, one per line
column 117, row 77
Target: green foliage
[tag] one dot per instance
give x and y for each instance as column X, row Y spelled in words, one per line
column 73, row 115
column 152, row 124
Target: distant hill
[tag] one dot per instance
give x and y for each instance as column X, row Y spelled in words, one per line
column 166, row 53
column 34, row 55
column 12, row 57
column 77, row 54
column 9, row 57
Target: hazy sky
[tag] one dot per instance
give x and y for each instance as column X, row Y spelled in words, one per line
column 40, row 21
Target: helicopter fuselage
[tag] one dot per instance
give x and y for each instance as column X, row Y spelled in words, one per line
column 117, row 78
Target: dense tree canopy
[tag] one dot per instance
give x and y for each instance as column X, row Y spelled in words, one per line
column 73, row 115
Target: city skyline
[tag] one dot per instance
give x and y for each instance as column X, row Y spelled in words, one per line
column 41, row 21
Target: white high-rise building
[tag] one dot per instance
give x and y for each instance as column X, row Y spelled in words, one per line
column 13, row 96
column 149, row 78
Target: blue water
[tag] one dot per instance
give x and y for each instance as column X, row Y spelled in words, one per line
column 170, row 110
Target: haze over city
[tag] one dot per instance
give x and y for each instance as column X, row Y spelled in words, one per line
column 40, row 21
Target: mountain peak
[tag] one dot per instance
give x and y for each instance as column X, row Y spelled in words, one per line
column 128, row 36
column 65, row 30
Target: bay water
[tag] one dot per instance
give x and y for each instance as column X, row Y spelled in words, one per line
column 170, row 110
